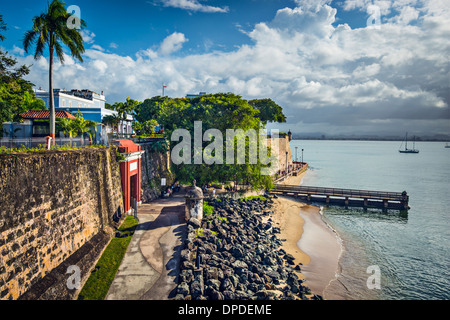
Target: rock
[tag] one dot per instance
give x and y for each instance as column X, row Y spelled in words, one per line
column 194, row 222
column 186, row 275
column 227, row 285
column 213, row 283
column 229, row 295
column 185, row 255
column 214, row 294
column 183, row 289
column 187, row 265
column 196, row 289
column 269, row 261
column 212, row 273
column 239, row 264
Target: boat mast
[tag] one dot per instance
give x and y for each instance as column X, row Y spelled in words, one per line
column 406, row 141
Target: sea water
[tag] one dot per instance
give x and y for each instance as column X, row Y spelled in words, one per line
column 411, row 252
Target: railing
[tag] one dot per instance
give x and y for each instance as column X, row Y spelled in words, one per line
column 351, row 193
column 36, row 142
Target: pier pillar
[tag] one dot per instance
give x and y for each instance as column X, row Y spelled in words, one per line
column 385, row 203
column 346, row 201
column 327, row 200
column 309, row 197
column 366, row 202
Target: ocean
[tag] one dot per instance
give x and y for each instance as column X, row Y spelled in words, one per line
column 411, row 252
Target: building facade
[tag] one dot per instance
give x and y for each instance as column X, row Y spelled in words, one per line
column 89, row 103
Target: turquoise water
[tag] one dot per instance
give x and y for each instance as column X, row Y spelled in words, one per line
column 412, row 251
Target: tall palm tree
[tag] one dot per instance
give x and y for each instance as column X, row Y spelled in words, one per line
column 50, row 29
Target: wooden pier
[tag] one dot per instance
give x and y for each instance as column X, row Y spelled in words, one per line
column 346, row 197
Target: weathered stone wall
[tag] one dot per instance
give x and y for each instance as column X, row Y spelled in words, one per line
column 51, row 204
column 154, row 166
column 280, row 153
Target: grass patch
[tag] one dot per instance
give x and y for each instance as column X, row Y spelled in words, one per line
column 98, row 283
column 207, row 209
column 262, row 198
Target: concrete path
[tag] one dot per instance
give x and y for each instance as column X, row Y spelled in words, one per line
column 149, row 270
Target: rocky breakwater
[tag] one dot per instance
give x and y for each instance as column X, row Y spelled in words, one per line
column 234, row 254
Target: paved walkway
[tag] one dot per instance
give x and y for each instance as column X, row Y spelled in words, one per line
column 150, row 266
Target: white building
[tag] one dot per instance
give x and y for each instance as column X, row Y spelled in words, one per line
column 89, row 103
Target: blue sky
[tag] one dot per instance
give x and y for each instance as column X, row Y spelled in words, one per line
column 135, row 25
column 336, row 67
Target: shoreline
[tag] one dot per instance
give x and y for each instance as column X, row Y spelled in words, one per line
column 310, row 240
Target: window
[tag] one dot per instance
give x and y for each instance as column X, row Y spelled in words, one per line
column 63, row 102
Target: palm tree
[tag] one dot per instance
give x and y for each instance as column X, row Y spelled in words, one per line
column 92, row 125
column 82, row 126
column 50, row 29
column 68, row 126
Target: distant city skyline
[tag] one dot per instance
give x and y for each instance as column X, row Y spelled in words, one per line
column 336, row 67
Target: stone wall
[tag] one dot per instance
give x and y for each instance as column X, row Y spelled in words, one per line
column 51, row 205
column 280, row 153
column 154, row 166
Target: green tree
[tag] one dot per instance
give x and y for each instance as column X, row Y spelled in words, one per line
column 217, row 111
column 112, row 121
column 150, row 108
column 125, row 108
column 16, row 94
column 84, row 126
column 269, row 110
column 50, row 29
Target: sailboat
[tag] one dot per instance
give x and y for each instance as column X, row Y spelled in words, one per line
column 406, row 150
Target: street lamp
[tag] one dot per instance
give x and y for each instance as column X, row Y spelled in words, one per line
column 296, row 159
column 302, row 157
column 287, row 168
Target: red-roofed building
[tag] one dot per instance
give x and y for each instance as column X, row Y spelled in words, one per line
column 45, row 114
column 38, row 119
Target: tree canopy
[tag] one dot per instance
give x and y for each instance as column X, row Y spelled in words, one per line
column 221, row 111
column 16, row 93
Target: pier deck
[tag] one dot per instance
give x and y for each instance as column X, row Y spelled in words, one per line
column 347, row 197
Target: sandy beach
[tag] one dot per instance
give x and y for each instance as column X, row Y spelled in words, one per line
column 309, row 239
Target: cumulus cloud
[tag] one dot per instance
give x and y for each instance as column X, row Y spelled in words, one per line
column 88, row 36
column 172, row 43
column 328, row 78
column 192, row 5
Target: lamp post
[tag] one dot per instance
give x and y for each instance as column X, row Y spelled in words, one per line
column 287, row 168
column 302, row 157
column 296, row 159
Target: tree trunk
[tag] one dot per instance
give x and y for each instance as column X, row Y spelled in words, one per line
column 51, row 98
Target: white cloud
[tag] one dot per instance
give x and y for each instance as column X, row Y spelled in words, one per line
column 113, row 45
column 88, row 36
column 18, row 50
column 97, row 47
column 172, row 43
column 324, row 76
column 193, row 5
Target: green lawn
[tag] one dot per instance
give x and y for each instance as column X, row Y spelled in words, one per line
column 97, row 286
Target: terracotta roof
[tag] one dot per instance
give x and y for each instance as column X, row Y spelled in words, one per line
column 45, row 114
